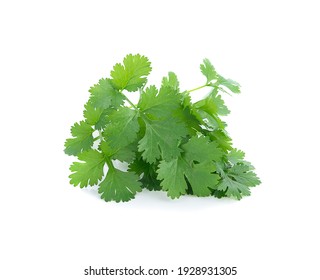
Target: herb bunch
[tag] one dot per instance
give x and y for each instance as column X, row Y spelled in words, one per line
column 169, row 142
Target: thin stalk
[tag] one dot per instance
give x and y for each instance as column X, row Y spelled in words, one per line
column 197, row 88
column 129, row 101
column 109, row 163
column 141, row 114
column 99, row 137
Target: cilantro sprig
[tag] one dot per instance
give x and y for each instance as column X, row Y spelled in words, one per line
column 168, row 142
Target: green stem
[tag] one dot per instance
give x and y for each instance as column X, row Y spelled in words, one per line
column 194, row 89
column 99, row 137
column 129, row 101
column 142, row 115
column 109, row 163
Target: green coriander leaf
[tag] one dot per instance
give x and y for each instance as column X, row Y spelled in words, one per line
column 202, row 149
column 82, row 141
column 160, row 105
column 233, row 188
column 92, row 114
column 147, row 98
column 172, row 175
column 131, row 75
column 175, row 172
column 105, row 148
column 149, row 180
column 125, row 154
column 221, row 137
column 208, row 70
column 243, row 174
column 122, row 128
column 202, row 179
column 171, row 81
column 161, row 139
column 147, row 173
column 236, row 181
column 199, row 153
column 103, row 95
column 191, row 122
column 206, row 118
column 218, row 194
column 119, row 186
column 195, row 165
column 216, row 105
column 89, row 171
column 187, row 115
column 228, row 83
column 236, row 156
column 102, row 122
column 208, row 109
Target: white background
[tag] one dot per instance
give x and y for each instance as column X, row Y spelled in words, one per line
column 53, row 51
